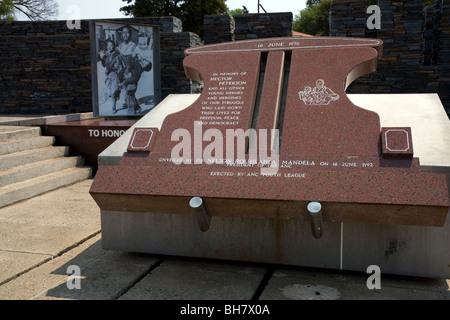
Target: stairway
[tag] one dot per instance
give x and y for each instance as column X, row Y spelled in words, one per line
column 30, row 165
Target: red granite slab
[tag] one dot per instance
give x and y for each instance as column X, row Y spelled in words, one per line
column 372, row 196
column 271, row 92
column 288, row 43
column 327, row 123
column 330, row 150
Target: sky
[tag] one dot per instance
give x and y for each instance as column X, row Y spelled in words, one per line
column 101, row 9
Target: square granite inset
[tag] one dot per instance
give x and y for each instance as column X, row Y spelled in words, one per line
column 397, row 143
column 142, row 139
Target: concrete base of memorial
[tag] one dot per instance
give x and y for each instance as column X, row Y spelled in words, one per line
column 396, row 249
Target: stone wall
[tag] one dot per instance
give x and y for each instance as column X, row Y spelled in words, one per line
column 347, row 18
column 427, row 39
column 263, row 25
column 173, row 77
column 223, row 28
column 45, row 67
column 218, row 28
column 416, row 50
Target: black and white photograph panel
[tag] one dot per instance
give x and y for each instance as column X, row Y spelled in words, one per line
column 124, row 69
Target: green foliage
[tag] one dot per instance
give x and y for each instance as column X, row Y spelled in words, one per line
column 6, row 10
column 158, row 8
column 314, row 19
column 242, row 10
column 191, row 12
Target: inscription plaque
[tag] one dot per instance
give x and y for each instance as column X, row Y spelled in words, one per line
column 272, row 131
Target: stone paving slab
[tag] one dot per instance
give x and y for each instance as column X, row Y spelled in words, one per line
column 105, row 278
column 197, row 279
column 52, row 223
column 318, row 284
column 104, row 275
column 14, row 263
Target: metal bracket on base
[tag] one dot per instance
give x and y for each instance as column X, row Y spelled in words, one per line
column 199, row 210
column 315, row 215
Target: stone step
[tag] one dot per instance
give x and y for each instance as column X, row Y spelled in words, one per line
column 18, row 145
column 27, row 189
column 36, row 169
column 12, row 160
column 8, row 133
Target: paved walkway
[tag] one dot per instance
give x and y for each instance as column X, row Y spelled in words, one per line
column 45, row 239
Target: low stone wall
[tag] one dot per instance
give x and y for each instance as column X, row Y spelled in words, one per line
column 173, row 77
column 223, row 28
column 263, row 25
column 218, row 28
column 46, row 67
column 416, row 50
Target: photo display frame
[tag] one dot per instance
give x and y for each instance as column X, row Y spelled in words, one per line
column 125, row 62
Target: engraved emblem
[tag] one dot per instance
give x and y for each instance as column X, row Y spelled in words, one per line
column 320, row 95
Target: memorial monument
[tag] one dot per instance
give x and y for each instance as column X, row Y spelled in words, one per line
column 271, row 150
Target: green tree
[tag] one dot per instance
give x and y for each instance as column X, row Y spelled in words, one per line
column 158, row 8
column 314, row 19
column 191, row 12
column 242, row 10
column 6, row 10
